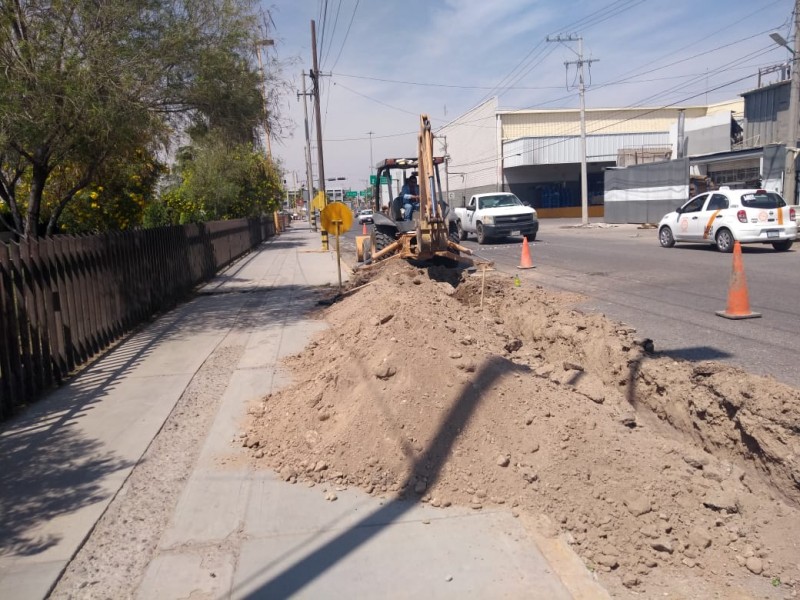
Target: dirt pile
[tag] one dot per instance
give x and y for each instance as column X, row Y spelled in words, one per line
column 451, row 388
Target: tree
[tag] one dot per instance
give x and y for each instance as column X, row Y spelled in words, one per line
column 89, row 82
column 221, row 180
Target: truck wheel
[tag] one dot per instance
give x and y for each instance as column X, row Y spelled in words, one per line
column 462, row 235
column 531, row 237
column 480, row 233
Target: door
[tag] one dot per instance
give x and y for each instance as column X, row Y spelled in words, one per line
column 690, row 227
column 711, row 216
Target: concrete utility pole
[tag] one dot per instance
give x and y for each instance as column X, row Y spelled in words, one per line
column 790, row 174
column 312, row 217
column 315, row 75
column 582, row 92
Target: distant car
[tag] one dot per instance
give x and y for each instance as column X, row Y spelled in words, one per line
column 725, row 216
column 365, row 216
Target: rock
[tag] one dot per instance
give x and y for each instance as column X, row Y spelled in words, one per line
column 571, row 366
column 630, row 580
column 331, row 497
column 250, row 442
column 449, row 578
column 544, row 371
column 287, row 473
column 628, row 419
column 259, row 454
column 455, row 355
column 754, row 565
column 468, row 366
column 315, row 400
column 607, row 561
column 662, row 546
column 698, row 461
column 638, row 505
column 713, row 474
column 385, row 371
column 513, row 346
column 386, row 319
column 420, row 487
column 706, row 369
column 323, row 416
column 699, row 538
column 650, row 531
column 723, row 500
column 320, row 466
column 645, row 344
column 503, row 461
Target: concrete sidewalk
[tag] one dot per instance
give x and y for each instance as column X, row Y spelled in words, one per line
column 236, row 532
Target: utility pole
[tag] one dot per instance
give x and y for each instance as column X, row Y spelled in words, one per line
column 790, row 175
column 264, row 93
column 312, row 217
column 371, row 164
column 582, row 92
column 315, row 75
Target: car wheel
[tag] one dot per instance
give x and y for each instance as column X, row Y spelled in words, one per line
column 665, row 237
column 480, row 233
column 782, row 246
column 531, row 237
column 462, row 235
column 725, row 240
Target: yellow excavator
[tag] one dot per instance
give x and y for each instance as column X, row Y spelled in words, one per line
column 430, row 234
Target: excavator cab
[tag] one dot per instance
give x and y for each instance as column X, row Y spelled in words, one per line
column 430, row 233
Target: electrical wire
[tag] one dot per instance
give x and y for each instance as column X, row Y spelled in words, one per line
column 346, row 35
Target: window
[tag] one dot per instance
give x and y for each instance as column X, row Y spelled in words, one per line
column 762, row 200
column 695, row 204
column 717, row 202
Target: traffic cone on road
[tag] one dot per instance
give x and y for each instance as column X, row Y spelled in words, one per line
column 525, row 262
column 738, row 299
column 364, row 228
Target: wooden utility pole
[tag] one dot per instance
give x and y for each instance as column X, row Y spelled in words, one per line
column 315, row 75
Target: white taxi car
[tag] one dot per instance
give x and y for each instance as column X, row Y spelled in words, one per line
column 724, row 216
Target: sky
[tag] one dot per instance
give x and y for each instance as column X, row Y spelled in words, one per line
column 385, row 63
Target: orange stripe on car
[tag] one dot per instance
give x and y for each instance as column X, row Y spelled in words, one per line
column 780, row 216
column 710, row 224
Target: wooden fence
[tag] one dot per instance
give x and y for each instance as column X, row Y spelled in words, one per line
column 64, row 299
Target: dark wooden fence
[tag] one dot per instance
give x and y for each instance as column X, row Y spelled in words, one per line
column 64, row 299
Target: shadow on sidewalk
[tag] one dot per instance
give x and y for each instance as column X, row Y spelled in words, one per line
column 49, row 468
column 431, row 462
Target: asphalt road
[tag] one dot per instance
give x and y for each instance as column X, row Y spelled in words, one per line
column 668, row 295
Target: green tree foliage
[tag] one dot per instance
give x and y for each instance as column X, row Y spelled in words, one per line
column 219, row 180
column 86, row 84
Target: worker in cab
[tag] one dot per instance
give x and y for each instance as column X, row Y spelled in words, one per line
column 410, row 196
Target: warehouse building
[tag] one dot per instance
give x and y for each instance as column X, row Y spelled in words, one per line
column 536, row 154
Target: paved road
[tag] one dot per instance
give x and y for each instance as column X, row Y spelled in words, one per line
column 670, row 295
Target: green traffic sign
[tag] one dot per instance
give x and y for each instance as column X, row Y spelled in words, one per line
column 349, row 194
column 374, row 178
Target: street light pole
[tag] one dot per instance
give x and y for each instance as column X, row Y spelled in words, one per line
column 371, row 164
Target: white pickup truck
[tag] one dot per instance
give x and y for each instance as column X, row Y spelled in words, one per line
column 496, row 214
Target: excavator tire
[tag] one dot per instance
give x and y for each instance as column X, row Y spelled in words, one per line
column 383, row 238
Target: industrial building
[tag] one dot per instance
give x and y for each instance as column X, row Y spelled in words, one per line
column 536, row 154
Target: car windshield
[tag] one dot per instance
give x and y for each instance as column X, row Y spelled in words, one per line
column 500, row 200
column 762, row 199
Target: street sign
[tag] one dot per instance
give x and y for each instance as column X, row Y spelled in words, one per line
column 351, row 194
column 374, row 178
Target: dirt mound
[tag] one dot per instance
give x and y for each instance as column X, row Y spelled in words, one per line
column 465, row 389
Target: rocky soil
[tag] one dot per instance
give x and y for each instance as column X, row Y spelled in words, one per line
column 667, row 478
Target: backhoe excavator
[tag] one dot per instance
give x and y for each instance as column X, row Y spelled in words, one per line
column 430, row 234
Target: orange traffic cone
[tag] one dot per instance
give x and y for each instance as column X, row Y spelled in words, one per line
column 525, row 262
column 364, row 228
column 738, row 300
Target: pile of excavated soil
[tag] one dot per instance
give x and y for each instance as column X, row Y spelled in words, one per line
column 431, row 384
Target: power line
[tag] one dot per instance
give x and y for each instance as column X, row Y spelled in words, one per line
column 346, row 35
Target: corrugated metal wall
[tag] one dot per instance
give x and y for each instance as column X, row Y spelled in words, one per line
column 559, row 150
column 645, row 193
column 598, row 121
column 766, row 115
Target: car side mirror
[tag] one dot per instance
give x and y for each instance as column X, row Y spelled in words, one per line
column 679, row 210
